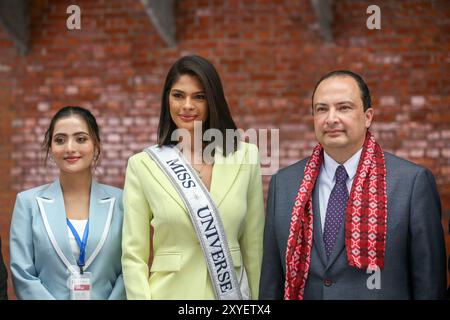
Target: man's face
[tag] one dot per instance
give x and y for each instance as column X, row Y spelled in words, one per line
column 340, row 123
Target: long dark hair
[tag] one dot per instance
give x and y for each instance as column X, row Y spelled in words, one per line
column 219, row 116
column 67, row 112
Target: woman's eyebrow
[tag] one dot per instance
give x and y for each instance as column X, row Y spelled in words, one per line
column 74, row 134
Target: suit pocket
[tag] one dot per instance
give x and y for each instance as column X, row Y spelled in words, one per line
column 236, row 257
column 166, row 262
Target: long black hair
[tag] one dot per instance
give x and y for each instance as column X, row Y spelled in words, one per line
column 219, row 116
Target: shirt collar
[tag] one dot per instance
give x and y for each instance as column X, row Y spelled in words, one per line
column 351, row 165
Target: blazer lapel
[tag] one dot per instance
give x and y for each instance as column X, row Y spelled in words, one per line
column 99, row 206
column 163, row 180
column 317, row 229
column 225, row 171
column 53, row 206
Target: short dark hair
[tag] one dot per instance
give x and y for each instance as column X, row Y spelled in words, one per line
column 67, row 112
column 363, row 88
column 219, row 116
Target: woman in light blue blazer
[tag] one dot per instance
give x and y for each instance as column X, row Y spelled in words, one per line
column 65, row 240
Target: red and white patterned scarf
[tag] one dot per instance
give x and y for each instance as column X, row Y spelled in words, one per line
column 365, row 218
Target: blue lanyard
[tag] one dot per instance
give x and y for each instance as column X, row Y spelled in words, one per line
column 81, row 244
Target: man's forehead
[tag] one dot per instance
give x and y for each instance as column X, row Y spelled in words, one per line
column 336, row 86
column 338, row 82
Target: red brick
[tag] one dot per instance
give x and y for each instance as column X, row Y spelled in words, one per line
column 269, row 56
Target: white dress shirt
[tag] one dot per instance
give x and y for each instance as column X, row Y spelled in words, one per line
column 327, row 180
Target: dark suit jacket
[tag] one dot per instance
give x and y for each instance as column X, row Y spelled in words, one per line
column 3, row 277
column 415, row 266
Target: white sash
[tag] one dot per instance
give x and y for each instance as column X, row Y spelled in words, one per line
column 205, row 218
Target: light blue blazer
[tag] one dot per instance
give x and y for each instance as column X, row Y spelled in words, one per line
column 37, row 270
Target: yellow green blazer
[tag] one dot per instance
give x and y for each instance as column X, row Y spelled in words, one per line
column 178, row 269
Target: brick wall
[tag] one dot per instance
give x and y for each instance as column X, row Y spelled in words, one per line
column 269, row 55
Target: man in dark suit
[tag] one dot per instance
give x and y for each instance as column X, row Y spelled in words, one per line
column 3, row 277
column 352, row 221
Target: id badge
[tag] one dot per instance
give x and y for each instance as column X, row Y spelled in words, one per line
column 80, row 286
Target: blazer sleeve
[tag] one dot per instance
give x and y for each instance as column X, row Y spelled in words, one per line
column 135, row 236
column 26, row 283
column 251, row 239
column 272, row 275
column 118, row 292
column 427, row 246
column 3, row 278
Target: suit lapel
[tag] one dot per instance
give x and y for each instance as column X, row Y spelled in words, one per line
column 54, row 210
column 99, row 207
column 98, row 213
column 317, row 229
column 224, row 173
column 163, row 180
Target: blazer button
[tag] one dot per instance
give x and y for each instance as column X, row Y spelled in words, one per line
column 327, row 282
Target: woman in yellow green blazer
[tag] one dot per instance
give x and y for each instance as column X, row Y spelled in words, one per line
column 193, row 98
